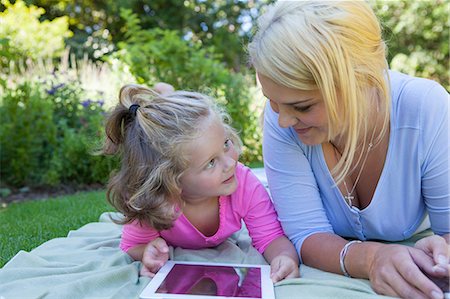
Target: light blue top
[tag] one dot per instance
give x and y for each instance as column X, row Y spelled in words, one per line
column 414, row 181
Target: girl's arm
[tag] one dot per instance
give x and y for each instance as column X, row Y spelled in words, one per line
column 137, row 252
column 153, row 256
column 283, row 259
column 143, row 243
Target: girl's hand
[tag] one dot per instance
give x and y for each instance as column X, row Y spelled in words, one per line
column 156, row 254
column 396, row 271
column 282, row 267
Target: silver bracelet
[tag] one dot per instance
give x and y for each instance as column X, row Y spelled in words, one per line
column 343, row 254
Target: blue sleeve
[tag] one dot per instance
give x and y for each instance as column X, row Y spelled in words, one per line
column 434, row 154
column 292, row 183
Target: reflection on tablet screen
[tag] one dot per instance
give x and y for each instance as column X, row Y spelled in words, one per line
column 212, row 280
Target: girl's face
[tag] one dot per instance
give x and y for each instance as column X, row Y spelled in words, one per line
column 212, row 164
column 304, row 111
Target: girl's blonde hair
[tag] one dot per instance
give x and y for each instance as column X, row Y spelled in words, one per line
column 150, row 142
column 334, row 47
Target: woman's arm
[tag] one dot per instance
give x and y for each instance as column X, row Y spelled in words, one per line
column 392, row 269
column 434, row 151
column 292, row 183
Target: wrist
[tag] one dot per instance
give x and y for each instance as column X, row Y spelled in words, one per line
column 285, row 255
column 360, row 257
column 343, row 255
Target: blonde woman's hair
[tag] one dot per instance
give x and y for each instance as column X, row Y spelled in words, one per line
column 150, row 141
column 334, row 47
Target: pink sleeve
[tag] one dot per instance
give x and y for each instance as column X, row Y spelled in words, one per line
column 136, row 233
column 261, row 218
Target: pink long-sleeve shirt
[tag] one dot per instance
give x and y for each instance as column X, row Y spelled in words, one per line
column 250, row 202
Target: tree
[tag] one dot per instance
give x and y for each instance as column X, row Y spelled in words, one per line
column 417, row 36
column 97, row 26
column 23, row 36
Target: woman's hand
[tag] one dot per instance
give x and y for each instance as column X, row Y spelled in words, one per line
column 398, row 270
column 439, row 250
column 156, row 254
column 282, row 267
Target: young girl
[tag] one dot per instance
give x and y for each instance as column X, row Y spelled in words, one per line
column 180, row 183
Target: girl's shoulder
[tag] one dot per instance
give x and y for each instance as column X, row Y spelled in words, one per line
column 250, row 188
column 245, row 177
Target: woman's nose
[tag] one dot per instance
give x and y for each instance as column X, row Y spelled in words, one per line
column 285, row 119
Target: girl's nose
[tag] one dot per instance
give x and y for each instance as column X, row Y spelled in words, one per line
column 229, row 163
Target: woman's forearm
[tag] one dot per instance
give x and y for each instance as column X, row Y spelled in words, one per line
column 322, row 251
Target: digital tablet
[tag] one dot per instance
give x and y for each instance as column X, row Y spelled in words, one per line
column 204, row 280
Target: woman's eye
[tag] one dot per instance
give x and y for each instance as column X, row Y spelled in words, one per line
column 211, row 163
column 302, row 108
column 228, row 143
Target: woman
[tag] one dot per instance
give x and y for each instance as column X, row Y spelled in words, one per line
column 351, row 149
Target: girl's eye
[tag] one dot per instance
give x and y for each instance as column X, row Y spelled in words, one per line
column 211, row 164
column 228, row 143
column 303, row 108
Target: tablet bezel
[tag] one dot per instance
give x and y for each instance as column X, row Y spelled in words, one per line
column 149, row 292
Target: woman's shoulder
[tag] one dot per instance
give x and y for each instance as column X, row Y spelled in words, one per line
column 415, row 98
column 409, row 88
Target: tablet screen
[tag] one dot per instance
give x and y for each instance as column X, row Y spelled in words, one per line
column 212, row 280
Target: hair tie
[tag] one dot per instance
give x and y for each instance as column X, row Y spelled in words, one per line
column 133, row 108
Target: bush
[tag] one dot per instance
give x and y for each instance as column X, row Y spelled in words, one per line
column 27, row 135
column 47, row 132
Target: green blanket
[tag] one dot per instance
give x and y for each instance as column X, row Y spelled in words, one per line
column 89, row 264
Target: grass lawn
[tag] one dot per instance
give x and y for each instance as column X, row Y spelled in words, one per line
column 26, row 225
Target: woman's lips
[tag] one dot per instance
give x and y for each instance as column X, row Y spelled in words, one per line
column 302, row 131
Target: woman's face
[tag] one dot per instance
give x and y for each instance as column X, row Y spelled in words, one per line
column 304, row 111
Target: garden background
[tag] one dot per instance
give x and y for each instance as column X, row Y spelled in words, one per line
column 63, row 62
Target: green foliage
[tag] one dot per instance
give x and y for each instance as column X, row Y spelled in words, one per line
column 23, row 36
column 97, row 26
column 162, row 55
column 417, row 35
column 42, row 220
column 27, row 135
column 47, row 132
